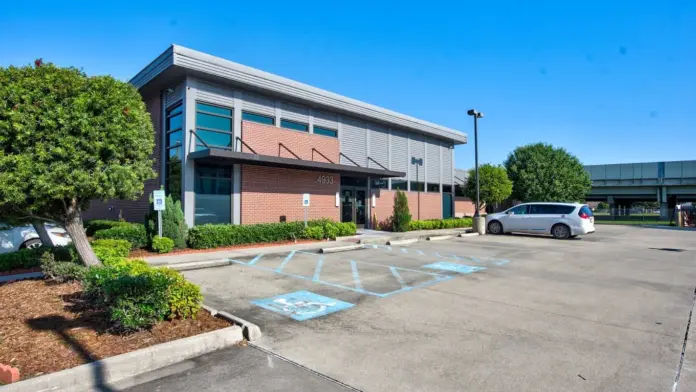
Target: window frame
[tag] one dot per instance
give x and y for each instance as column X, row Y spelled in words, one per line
column 282, row 120
column 525, row 206
column 272, row 118
column 171, row 147
column 198, row 143
column 314, row 131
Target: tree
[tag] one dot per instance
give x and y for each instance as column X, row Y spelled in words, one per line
column 66, row 139
column 540, row 172
column 603, row 205
column 173, row 223
column 401, row 216
column 494, row 184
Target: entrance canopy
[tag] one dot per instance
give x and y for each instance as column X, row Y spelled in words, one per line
column 223, row 157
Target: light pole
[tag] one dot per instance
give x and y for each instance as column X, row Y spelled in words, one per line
column 418, row 162
column 477, row 216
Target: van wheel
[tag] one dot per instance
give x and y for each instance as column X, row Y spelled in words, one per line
column 560, row 231
column 495, row 227
column 31, row 244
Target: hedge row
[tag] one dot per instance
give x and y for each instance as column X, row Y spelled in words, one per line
column 31, row 258
column 132, row 232
column 214, row 236
column 439, row 224
column 92, row 226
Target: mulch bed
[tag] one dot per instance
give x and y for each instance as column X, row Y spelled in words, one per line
column 140, row 253
column 46, row 327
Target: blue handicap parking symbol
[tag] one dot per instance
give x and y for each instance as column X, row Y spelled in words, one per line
column 302, row 305
column 454, row 267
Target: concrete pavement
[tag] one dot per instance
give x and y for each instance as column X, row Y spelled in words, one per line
column 605, row 312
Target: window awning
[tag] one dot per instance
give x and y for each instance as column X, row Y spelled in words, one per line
column 227, row 157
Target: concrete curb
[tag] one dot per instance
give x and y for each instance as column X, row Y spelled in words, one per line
column 16, row 277
column 250, row 331
column 402, row 241
column 121, row 367
column 343, row 248
column 194, row 265
column 468, row 235
column 439, row 237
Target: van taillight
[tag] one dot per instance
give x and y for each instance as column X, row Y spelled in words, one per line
column 584, row 215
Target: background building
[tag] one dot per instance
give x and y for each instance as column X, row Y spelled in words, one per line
column 239, row 145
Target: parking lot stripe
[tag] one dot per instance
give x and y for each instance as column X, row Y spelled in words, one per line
column 287, row 259
column 398, row 277
column 255, row 259
column 356, row 275
column 317, row 270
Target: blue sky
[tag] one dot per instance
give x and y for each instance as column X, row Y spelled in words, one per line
column 611, row 81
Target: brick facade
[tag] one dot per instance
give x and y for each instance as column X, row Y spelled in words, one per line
column 266, row 139
column 134, row 211
column 268, row 193
column 465, row 207
column 430, row 205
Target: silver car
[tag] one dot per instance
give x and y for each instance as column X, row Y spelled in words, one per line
column 561, row 220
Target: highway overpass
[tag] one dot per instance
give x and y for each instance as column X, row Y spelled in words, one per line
column 622, row 184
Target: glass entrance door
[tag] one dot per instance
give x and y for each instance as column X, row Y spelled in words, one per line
column 353, row 207
column 347, row 204
column 360, row 196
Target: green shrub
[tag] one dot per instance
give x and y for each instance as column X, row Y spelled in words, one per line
column 331, row 230
column 346, row 229
column 173, row 223
column 214, row 236
column 137, row 302
column 184, row 298
column 314, row 232
column 401, row 215
column 23, row 258
column 61, row 271
column 132, row 232
column 162, row 244
column 433, row 224
column 92, row 226
column 96, row 277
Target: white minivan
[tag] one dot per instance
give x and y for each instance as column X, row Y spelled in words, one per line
column 561, row 220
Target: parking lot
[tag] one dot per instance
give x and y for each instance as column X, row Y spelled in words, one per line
column 493, row 313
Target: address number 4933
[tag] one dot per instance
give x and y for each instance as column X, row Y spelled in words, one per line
column 325, row 180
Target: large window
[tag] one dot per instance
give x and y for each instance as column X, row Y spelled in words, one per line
column 213, row 126
column 379, row 183
column 258, row 118
column 399, row 184
column 325, row 131
column 294, row 125
column 213, row 186
column 173, row 143
column 434, row 188
column 417, row 186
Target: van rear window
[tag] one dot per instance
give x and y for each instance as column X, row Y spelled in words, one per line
column 586, row 210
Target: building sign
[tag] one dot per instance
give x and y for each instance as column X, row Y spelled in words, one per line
column 325, row 180
column 305, row 200
column 158, row 201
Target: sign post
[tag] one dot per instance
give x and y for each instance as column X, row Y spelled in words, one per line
column 158, row 200
column 305, row 204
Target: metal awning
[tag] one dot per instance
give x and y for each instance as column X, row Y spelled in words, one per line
column 228, row 157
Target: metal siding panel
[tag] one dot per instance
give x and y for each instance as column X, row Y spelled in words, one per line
column 433, row 156
column 294, row 112
column 626, row 171
column 194, row 60
column 324, row 119
column 399, row 151
column 447, row 164
column 689, row 169
column 673, row 169
column 176, row 96
column 417, row 143
column 379, row 146
column 459, row 175
column 613, row 172
column 215, row 95
column 649, row 170
column 354, row 142
column 258, row 104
